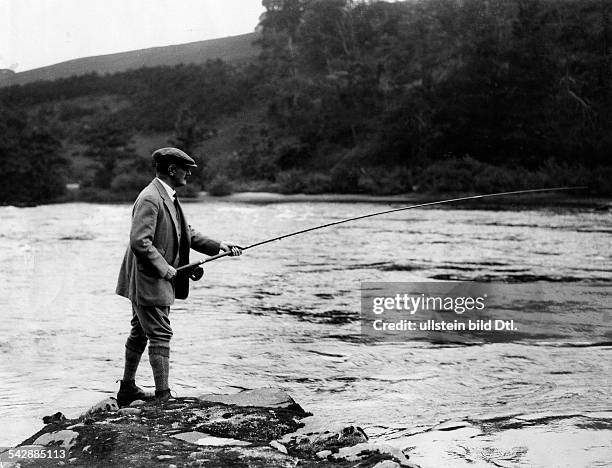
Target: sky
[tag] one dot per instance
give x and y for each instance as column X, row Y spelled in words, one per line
column 35, row 33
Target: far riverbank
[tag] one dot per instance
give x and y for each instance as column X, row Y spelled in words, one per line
column 530, row 200
column 503, row 202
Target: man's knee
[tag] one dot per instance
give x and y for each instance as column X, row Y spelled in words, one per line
column 136, row 344
column 161, row 339
column 154, row 323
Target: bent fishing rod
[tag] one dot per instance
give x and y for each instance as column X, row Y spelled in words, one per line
column 189, row 268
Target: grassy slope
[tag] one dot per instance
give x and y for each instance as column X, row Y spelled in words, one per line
column 234, row 49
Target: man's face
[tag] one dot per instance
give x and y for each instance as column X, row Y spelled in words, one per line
column 178, row 174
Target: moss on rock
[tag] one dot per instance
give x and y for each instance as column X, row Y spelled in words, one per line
column 195, row 432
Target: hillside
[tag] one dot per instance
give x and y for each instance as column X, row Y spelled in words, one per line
column 488, row 100
column 234, row 50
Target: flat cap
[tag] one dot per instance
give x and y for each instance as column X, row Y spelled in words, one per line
column 172, row 155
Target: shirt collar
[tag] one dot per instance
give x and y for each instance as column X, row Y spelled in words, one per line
column 169, row 189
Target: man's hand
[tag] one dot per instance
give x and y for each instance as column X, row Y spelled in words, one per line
column 235, row 250
column 171, row 273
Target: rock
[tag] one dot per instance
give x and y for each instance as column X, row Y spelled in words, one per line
column 365, row 450
column 198, row 463
column 129, row 411
column 451, row 425
column 238, row 431
column 352, row 435
column 65, row 438
column 278, row 446
column 263, row 456
column 136, row 403
column 172, row 466
column 55, row 418
column 201, row 438
column 72, row 426
column 106, row 405
column 387, row 464
column 327, row 440
column 261, row 397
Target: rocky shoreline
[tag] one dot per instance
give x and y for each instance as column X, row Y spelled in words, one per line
column 261, row 428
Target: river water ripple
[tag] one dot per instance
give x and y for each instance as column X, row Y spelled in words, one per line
column 287, row 315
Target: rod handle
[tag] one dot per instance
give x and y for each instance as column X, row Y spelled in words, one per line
column 192, row 265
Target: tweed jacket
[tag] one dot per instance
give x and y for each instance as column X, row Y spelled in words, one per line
column 158, row 239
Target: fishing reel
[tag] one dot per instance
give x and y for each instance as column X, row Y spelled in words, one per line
column 197, row 273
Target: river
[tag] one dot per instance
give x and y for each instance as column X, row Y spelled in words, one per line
column 287, row 315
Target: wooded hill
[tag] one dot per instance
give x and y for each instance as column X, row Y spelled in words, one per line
column 370, row 97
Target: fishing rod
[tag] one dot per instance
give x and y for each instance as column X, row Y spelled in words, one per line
column 191, row 267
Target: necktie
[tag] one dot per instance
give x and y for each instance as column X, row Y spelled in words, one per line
column 177, row 207
column 183, row 251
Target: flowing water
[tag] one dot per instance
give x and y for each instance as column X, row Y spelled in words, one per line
column 287, row 315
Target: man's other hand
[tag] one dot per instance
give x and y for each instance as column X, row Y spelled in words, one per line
column 171, row 273
column 235, row 250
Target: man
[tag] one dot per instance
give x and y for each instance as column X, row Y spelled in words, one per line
column 160, row 240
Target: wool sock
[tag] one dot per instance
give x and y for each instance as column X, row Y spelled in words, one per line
column 132, row 359
column 160, row 363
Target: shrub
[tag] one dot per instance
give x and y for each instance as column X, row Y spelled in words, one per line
column 345, row 179
column 451, row 175
column 291, row 181
column 191, row 190
column 498, row 179
column 385, row 180
column 220, row 186
column 98, row 195
column 317, row 183
column 130, row 182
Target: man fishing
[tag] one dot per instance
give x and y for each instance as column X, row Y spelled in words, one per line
column 160, row 240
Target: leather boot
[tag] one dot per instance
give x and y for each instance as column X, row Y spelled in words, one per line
column 129, row 392
column 162, row 395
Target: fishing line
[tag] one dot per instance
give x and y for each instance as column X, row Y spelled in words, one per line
column 193, row 265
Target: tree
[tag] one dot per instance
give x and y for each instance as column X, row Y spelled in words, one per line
column 108, row 144
column 31, row 168
column 189, row 133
